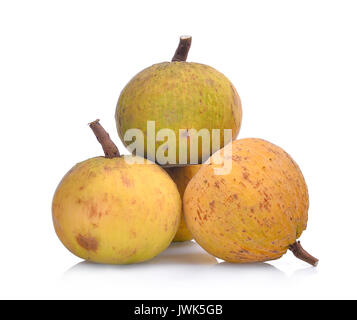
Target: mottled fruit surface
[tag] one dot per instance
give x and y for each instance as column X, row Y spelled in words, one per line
column 108, row 211
column 182, row 176
column 179, row 95
column 253, row 213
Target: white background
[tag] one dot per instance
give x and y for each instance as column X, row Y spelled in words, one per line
column 64, row 63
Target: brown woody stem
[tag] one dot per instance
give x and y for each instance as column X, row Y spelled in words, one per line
column 182, row 49
column 300, row 253
column 109, row 148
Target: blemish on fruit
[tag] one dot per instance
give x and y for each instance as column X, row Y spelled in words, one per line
column 93, row 211
column 246, row 176
column 126, row 181
column 92, row 174
column 210, row 82
column 199, row 215
column 88, row 243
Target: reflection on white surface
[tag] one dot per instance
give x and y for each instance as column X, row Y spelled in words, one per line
column 178, row 273
column 183, row 254
column 305, row 272
column 179, row 253
column 247, row 269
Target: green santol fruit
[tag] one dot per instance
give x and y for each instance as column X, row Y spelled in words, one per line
column 179, row 95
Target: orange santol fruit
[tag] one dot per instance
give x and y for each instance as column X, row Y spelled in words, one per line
column 182, row 176
column 254, row 213
column 113, row 210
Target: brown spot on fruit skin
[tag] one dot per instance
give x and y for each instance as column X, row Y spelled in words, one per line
column 211, row 204
column 236, row 158
column 256, row 186
column 126, row 181
column 210, row 82
column 199, row 215
column 246, row 176
column 93, row 211
column 92, row 175
column 88, row 243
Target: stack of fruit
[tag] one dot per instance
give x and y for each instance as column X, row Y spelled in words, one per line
column 241, row 200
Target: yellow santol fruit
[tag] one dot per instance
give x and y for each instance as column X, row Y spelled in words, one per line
column 182, row 176
column 254, row 213
column 184, row 97
column 107, row 210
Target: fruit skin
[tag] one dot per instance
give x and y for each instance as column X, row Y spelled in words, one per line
column 108, row 211
column 179, row 95
column 182, row 176
column 255, row 212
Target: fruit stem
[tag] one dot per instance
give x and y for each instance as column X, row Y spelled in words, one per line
column 109, row 148
column 182, row 49
column 300, row 253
